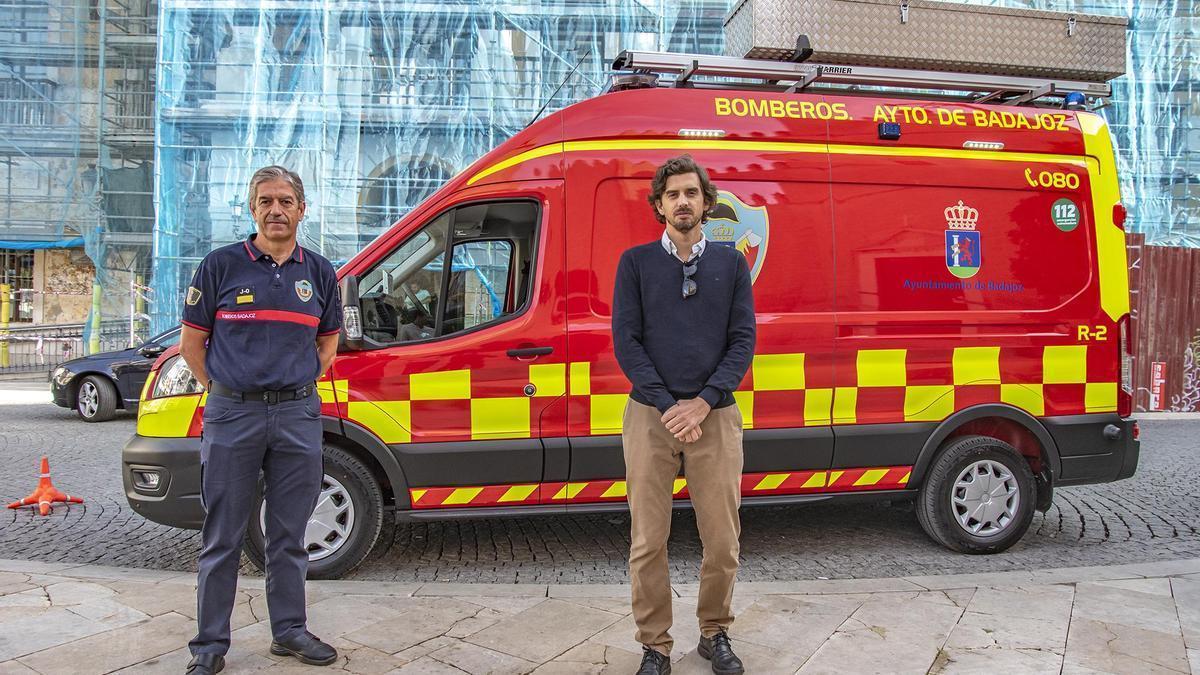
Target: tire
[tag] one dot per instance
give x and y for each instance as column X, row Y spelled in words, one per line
column 96, row 399
column 351, row 495
column 959, row 473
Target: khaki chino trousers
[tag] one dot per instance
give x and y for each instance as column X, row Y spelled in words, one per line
column 713, row 466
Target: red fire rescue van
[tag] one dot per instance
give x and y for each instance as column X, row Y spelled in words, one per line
column 941, row 288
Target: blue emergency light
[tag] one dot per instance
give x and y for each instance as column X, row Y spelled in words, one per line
column 889, row 131
column 1075, row 101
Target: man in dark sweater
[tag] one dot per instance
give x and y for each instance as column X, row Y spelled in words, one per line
column 683, row 331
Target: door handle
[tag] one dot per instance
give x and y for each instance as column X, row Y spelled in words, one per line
column 527, row 352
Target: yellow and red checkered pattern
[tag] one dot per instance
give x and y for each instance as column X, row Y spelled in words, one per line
column 614, row 490
column 868, row 386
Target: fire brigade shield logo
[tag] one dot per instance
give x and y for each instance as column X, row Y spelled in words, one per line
column 304, row 290
column 734, row 223
column 964, row 245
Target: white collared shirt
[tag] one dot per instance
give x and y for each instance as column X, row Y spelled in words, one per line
column 697, row 248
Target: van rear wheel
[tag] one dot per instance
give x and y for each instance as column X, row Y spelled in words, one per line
column 344, row 526
column 978, row 496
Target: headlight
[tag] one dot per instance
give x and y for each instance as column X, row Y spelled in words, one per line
column 175, row 379
column 61, row 376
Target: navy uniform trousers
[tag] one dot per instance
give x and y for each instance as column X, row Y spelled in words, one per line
column 240, row 438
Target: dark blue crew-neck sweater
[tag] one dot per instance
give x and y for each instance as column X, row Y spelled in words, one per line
column 673, row 348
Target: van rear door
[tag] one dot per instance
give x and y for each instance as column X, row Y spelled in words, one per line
column 962, row 275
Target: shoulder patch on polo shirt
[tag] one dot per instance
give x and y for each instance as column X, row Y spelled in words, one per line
column 304, row 290
column 193, row 295
column 245, row 295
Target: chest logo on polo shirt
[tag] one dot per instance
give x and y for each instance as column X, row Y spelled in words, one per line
column 245, row 295
column 304, row 290
column 193, row 295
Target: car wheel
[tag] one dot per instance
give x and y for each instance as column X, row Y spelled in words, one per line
column 96, row 400
column 978, row 496
column 344, row 526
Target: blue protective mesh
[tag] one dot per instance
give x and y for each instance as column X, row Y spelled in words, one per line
column 375, row 104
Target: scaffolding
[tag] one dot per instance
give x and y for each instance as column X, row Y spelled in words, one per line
column 77, row 138
column 376, row 104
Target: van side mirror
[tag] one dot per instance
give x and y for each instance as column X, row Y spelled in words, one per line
column 351, row 337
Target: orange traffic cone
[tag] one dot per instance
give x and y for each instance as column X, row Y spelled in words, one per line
column 45, row 494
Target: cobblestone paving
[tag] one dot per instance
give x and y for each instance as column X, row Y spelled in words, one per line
column 1150, row 517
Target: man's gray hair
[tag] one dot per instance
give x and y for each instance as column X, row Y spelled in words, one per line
column 274, row 172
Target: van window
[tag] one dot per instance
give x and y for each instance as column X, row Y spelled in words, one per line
column 410, row 295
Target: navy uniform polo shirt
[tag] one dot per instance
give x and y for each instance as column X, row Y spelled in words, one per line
column 263, row 316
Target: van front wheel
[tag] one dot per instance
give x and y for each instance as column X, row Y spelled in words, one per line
column 978, row 496
column 344, row 526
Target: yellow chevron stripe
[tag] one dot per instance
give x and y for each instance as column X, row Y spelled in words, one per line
column 617, row 489
column 771, row 481
column 417, row 494
column 680, row 483
column 463, row 495
column 816, row 480
column 517, row 493
column 871, row 477
column 569, row 491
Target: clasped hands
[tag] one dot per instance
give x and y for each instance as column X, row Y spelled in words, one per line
column 683, row 419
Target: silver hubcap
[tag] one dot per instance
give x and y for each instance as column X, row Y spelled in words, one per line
column 985, row 498
column 331, row 521
column 89, row 399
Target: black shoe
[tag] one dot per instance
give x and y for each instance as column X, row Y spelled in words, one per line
column 206, row 664
column 718, row 650
column 654, row 663
column 307, row 648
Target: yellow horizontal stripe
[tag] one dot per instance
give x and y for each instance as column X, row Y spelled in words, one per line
column 552, row 149
column 772, row 146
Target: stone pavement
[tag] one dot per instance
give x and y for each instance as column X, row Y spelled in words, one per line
column 65, row 618
column 1147, row 518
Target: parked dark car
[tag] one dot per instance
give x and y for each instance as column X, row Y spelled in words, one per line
column 95, row 386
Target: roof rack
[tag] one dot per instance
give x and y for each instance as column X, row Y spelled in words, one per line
column 793, row 77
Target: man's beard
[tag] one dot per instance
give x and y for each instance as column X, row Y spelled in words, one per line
column 685, row 226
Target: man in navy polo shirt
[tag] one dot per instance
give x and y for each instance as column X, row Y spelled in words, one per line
column 260, row 326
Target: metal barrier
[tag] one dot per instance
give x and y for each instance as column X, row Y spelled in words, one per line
column 33, row 349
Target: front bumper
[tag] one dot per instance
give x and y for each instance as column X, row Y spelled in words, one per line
column 61, row 395
column 1094, row 448
column 176, row 500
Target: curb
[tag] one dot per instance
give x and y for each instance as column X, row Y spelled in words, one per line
column 1156, row 416
column 910, row 584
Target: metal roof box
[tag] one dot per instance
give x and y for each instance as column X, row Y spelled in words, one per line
column 925, row 34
